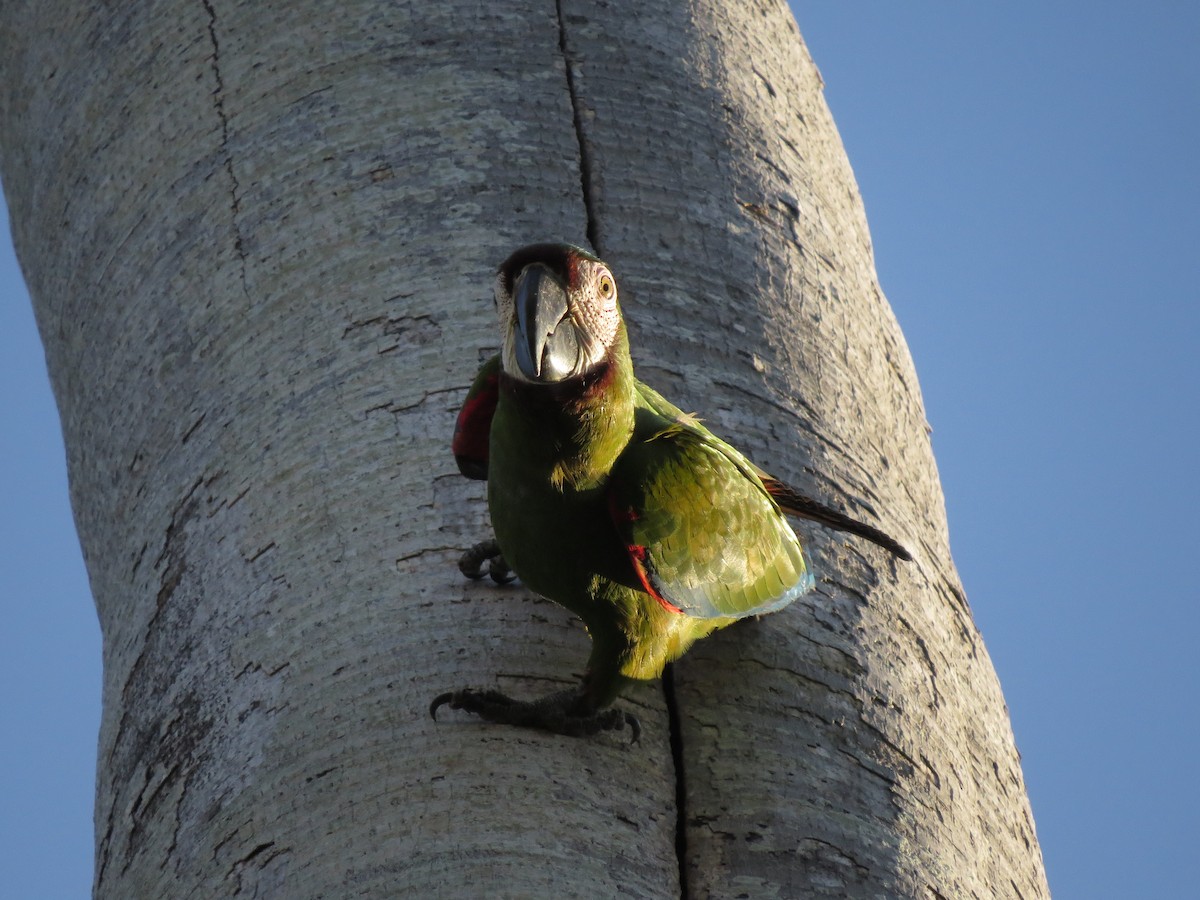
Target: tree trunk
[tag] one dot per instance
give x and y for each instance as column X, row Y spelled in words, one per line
column 260, row 245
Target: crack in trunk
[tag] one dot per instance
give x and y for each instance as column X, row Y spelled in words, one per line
column 585, row 154
column 676, row 736
column 587, row 185
column 235, row 189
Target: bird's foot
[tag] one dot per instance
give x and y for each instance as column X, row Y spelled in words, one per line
column 472, row 563
column 561, row 713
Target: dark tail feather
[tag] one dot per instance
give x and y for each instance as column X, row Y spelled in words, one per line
column 796, row 504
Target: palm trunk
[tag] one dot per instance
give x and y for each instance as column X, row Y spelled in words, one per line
column 259, row 242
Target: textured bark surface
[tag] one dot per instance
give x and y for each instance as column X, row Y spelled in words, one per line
column 260, row 241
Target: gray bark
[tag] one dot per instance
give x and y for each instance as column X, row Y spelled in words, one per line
column 259, row 242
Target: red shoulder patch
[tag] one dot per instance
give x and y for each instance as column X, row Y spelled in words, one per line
column 621, row 517
column 473, row 430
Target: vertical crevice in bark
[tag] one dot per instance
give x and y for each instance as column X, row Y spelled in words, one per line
column 235, row 188
column 668, row 681
column 585, row 155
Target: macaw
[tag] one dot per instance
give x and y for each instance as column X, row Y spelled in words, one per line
column 609, row 500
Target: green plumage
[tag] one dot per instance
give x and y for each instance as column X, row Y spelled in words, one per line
column 566, row 475
column 716, row 540
column 608, row 499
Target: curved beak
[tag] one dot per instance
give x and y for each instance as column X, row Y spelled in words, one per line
column 546, row 345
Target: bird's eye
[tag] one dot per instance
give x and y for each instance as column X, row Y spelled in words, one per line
column 607, row 288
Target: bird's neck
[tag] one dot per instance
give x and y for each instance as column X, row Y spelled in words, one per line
column 580, row 426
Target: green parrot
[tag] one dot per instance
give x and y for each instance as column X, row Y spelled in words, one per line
column 609, row 500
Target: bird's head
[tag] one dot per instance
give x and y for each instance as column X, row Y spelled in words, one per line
column 558, row 312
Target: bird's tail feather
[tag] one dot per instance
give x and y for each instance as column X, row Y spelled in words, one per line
column 794, row 503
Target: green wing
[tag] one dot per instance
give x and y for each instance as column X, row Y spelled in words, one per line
column 703, row 534
column 790, row 500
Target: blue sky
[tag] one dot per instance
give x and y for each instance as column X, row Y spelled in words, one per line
column 1031, row 179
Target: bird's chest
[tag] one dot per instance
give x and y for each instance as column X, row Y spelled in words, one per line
column 559, row 540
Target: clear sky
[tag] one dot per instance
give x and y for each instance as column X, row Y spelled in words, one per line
column 1031, row 172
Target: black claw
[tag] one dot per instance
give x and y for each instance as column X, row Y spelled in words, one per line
column 471, row 700
column 621, row 720
column 440, row 700
column 499, row 571
column 557, row 713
